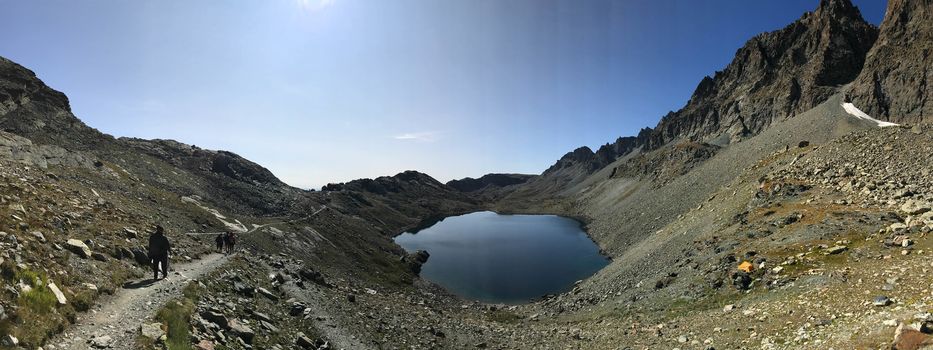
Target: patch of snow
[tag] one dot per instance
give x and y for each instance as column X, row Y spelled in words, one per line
column 855, row 112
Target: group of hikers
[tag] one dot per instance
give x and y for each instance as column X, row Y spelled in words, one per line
column 159, row 247
column 226, row 242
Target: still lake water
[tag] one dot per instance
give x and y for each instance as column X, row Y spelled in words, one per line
column 505, row 258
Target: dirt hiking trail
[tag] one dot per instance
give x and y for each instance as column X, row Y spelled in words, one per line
column 120, row 316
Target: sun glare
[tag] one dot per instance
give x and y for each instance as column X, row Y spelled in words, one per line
column 314, row 5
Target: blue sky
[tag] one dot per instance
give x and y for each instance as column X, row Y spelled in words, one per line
column 323, row 91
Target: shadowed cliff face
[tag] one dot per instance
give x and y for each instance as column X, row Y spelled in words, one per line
column 895, row 83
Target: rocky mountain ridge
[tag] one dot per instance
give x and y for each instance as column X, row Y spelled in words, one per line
column 488, row 181
column 773, row 76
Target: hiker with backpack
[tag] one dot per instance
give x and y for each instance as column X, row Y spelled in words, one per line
column 220, row 239
column 159, row 247
column 230, row 242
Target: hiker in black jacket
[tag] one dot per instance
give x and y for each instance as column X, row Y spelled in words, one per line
column 220, row 241
column 159, row 247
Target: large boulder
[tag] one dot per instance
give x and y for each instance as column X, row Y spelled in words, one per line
column 216, row 318
column 243, row 331
column 140, row 256
column 416, row 259
column 78, row 247
column 312, row 275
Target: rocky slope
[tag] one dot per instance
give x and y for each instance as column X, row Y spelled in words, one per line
column 897, row 81
column 77, row 206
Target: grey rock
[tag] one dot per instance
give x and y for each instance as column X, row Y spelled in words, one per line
column 101, row 342
column 9, row 340
column 140, row 256
column 262, row 317
column 242, row 331
column 881, row 301
column 39, row 236
column 58, row 294
column 836, row 249
column 304, row 342
column 78, row 247
column 266, row 293
column 216, row 318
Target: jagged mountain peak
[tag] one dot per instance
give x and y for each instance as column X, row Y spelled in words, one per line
column 838, row 8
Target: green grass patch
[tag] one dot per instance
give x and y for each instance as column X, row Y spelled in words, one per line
column 40, row 298
column 175, row 316
column 37, row 316
column 504, row 316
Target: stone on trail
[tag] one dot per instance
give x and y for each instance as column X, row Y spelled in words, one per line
column 881, row 300
column 101, row 342
column 152, row 331
column 78, row 247
column 58, row 294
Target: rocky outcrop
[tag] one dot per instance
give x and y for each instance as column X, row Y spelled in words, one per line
column 895, row 84
column 22, row 150
column 31, row 109
column 470, row 184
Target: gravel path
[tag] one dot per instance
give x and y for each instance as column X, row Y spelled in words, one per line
column 120, row 316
